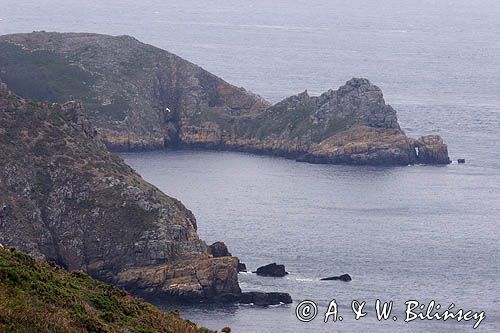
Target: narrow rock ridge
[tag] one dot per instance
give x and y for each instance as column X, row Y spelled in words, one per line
column 140, row 97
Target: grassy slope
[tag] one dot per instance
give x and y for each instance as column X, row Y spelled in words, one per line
column 38, row 297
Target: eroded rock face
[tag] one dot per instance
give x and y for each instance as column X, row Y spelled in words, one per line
column 198, row 279
column 364, row 146
column 65, row 198
column 141, row 97
column 432, row 150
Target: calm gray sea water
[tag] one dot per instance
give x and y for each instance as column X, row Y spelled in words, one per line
column 403, row 233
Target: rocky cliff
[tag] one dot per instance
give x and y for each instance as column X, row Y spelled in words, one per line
column 135, row 94
column 38, row 297
column 65, row 198
column 139, row 96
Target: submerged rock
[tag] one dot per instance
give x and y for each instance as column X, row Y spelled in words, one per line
column 265, row 299
column 273, row 270
column 343, row 277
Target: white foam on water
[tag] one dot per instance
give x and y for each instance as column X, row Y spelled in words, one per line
column 304, row 280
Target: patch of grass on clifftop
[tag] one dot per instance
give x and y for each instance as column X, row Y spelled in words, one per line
column 43, row 75
column 38, row 297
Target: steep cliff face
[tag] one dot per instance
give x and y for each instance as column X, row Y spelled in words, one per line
column 135, row 94
column 65, row 198
column 139, row 96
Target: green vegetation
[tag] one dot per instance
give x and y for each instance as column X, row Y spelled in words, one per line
column 282, row 119
column 43, row 75
column 296, row 122
column 46, row 76
column 36, row 296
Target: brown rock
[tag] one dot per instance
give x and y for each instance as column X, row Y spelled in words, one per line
column 432, row 150
column 198, row 279
column 364, row 146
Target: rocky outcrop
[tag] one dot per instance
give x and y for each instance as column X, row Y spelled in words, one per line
column 432, row 150
column 219, row 249
column 193, row 280
column 364, row 146
column 65, row 198
column 141, row 97
column 241, row 267
column 273, row 270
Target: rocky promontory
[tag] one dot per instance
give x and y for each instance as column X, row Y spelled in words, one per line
column 66, row 199
column 140, row 97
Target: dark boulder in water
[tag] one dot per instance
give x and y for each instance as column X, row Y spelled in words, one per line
column 242, row 267
column 343, row 277
column 273, row 270
column 461, row 161
column 265, row 299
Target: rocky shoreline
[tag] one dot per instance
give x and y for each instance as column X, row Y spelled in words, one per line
column 65, row 198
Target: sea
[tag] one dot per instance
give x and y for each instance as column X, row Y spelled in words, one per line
column 404, row 234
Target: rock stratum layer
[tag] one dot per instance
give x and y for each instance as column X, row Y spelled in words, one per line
column 141, row 97
column 65, row 198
